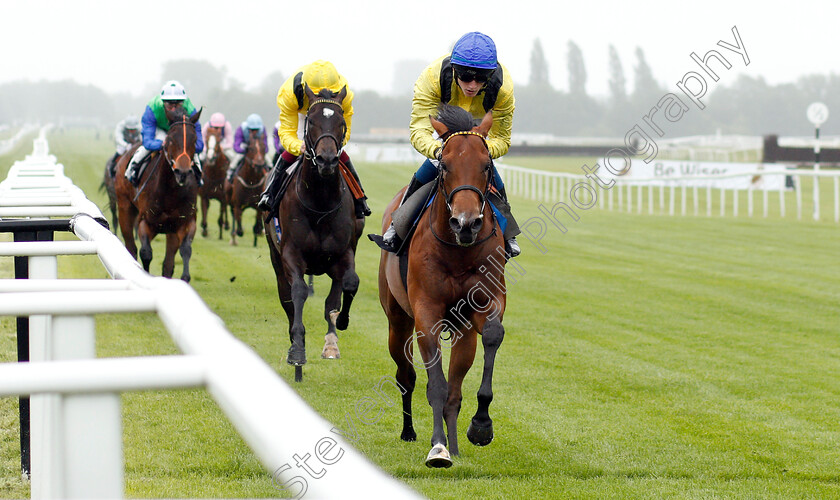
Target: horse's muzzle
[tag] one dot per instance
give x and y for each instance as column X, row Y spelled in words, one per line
column 327, row 165
column 466, row 228
column 181, row 176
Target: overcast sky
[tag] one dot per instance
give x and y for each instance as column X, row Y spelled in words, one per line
column 120, row 46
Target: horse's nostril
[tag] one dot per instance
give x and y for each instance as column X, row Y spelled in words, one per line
column 454, row 223
column 476, row 224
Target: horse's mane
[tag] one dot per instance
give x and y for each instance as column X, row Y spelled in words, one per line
column 456, row 119
column 326, row 93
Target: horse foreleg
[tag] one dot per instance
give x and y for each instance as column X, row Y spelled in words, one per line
column 460, row 361
column 186, row 249
column 145, row 234
column 401, row 347
column 236, row 227
column 428, row 340
column 205, row 204
column 173, row 241
column 126, row 220
column 331, row 305
column 480, row 431
column 349, row 287
column 297, row 332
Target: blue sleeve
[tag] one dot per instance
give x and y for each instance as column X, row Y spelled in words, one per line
column 199, row 140
column 149, row 125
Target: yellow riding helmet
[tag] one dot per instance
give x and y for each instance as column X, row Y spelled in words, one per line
column 322, row 74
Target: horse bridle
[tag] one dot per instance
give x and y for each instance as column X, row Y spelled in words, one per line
column 309, row 146
column 184, row 152
column 482, row 196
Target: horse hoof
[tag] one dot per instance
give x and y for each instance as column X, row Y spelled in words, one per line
column 204, row 232
column 330, row 347
column 480, row 435
column 342, row 322
column 408, row 435
column 296, row 356
column 232, row 243
column 438, row 457
column 298, row 374
column 186, row 278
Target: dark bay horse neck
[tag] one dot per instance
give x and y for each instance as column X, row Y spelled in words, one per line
column 455, row 283
column 318, row 227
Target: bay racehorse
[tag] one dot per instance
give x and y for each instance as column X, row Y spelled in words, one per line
column 132, row 138
column 164, row 201
column 454, row 282
column 215, row 169
column 318, row 230
column 249, row 182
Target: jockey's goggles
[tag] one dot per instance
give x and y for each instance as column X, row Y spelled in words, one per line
column 467, row 74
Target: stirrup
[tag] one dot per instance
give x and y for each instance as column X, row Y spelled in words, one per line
column 390, row 241
column 265, row 203
column 512, row 247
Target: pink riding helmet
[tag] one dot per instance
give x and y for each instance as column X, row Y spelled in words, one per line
column 217, row 120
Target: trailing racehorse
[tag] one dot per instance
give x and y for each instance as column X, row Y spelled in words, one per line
column 215, row 168
column 247, row 185
column 451, row 281
column 165, row 200
column 315, row 230
column 133, row 138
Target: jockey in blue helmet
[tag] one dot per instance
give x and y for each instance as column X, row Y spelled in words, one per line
column 471, row 78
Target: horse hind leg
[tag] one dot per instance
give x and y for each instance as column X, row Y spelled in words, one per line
column 480, row 431
column 331, row 305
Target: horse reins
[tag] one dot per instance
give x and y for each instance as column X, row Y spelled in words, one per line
column 482, row 196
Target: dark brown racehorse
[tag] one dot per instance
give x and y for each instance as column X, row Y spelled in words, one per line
column 249, row 182
column 164, row 201
column 455, row 284
column 215, row 169
column 318, row 229
column 132, row 138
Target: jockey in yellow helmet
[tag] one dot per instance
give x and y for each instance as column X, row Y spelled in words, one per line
column 293, row 103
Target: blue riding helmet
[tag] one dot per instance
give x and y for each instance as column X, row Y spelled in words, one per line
column 254, row 122
column 475, row 50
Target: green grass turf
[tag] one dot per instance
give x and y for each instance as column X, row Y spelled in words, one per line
column 645, row 357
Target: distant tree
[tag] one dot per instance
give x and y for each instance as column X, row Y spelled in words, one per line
column 577, row 70
column 539, row 66
column 645, row 86
column 617, row 82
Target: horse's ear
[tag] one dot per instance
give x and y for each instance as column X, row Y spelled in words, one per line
column 484, row 127
column 341, row 94
column 440, row 128
column 309, row 94
column 194, row 118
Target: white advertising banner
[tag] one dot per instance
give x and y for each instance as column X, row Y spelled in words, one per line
column 680, row 173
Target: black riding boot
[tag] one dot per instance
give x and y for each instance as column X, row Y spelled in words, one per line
column 512, row 229
column 269, row 200
column 362, row 209
column 390, row 241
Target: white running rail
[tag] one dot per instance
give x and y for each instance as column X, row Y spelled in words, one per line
column 75, row 404
column 637, row 195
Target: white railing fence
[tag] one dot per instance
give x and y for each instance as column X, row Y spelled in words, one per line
column 76, row 421
column 674, row 197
